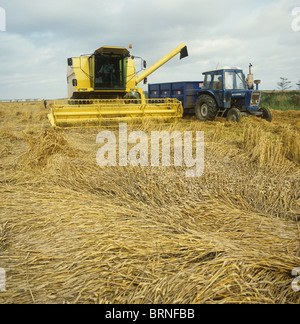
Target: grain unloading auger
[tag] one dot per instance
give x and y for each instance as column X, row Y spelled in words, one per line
column 103, row 90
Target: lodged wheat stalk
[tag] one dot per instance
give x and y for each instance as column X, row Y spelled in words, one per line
column 72, row 232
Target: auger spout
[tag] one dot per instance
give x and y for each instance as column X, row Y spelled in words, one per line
column 182, row 49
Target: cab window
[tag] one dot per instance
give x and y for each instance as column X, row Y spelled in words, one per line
column 218, row 81
column 234, row 81
column 207, row 81
column 109, row 72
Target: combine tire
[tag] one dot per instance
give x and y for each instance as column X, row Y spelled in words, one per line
column 266, row 114
column 206, row 108
column 234, row 115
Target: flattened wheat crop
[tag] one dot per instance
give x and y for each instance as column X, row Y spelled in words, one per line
column 74, row 232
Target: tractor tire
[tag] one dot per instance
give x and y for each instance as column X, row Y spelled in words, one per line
column 206, row 108
column 266, row 114
column 234, row 115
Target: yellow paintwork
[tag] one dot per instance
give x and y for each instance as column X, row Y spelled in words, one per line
column 94, row 111
column 80, row 71
column 159, row 63
column 83, row 70
column 77, row 113
column 114, row 49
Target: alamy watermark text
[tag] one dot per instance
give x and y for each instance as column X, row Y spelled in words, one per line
column 296, row 21
column 296, row 281
column 2, row 280
column 138, row 155
column 2, row 20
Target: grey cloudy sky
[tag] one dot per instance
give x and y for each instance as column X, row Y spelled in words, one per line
column 41, row 35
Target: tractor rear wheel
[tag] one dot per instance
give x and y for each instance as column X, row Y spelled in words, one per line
column 206, row 108
column 266, row 114
column 234, row 115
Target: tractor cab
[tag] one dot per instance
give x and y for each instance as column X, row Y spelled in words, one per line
column 229, row 88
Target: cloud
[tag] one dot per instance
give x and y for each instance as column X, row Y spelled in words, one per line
column 41, row 35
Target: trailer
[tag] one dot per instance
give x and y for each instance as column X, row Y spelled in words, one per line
column 186, row 92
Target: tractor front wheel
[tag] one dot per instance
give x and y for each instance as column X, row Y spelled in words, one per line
column 234, row 115
column 206, row 108
column 266, row 114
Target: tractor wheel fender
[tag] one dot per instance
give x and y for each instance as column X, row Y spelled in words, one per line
column 208, row 93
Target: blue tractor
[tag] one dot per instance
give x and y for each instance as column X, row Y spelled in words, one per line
column 226, row 92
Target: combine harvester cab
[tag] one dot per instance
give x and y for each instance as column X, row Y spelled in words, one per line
column 103, row 90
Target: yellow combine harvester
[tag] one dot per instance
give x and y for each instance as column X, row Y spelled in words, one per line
column 103, row 89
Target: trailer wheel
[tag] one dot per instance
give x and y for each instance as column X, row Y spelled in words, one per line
column 266, row 114
column 206, row 108
column 234, row 115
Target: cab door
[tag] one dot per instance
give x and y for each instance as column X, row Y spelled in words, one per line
column 218, row 87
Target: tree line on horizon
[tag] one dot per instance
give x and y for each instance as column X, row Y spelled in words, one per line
column 284, row 84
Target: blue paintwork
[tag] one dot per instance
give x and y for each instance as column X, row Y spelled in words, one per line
column 188, row 92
